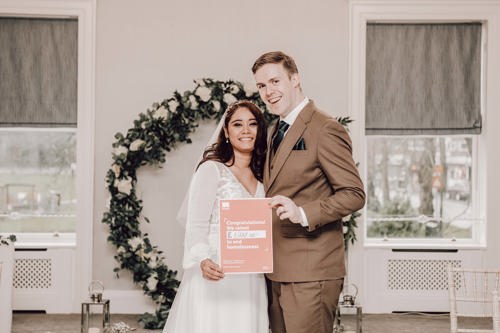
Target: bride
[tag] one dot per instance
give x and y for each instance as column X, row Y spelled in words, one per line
column 208, row 301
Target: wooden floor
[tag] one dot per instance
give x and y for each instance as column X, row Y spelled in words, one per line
column 372, row 323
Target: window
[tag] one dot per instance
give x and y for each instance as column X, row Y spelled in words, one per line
column 422, row 120
column 420, row 187
column 38, row 90
column 37, row 180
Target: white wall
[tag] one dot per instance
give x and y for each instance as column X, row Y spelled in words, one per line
column 148, row 49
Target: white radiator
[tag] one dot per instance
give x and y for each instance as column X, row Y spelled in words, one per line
column 411, row 280
column 44, row 280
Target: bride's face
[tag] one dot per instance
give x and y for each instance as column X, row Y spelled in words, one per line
column 242, row 130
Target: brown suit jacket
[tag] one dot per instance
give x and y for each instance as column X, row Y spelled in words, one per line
column 322, row 179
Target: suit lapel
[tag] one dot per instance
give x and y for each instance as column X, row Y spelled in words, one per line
column 285, row 148
column 269, row 155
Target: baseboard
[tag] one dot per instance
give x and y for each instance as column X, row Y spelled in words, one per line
column 129, row 302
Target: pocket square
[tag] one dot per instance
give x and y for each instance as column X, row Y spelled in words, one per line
column 300, row 145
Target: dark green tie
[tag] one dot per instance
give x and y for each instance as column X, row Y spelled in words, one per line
column 282, row 127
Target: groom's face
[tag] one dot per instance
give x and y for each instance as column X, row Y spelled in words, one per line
column 277, row 88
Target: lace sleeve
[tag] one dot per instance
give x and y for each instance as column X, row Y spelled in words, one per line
column 202, row 197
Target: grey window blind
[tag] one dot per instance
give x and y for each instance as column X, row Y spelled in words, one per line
column 423, row 78
column 38, row 72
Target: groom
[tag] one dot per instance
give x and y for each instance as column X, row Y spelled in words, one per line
column 313, row 181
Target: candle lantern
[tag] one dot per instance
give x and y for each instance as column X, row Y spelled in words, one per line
column 95, row 310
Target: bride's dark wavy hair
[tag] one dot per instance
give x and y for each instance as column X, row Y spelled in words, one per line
column 222, row 151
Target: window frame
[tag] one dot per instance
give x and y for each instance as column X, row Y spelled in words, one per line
column 412, row 11
column 85, row 12
column 477, row 231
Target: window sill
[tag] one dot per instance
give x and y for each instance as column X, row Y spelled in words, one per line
column 419, row 244
column 45, row 240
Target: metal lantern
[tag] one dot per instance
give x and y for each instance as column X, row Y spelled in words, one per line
column 95, row 310
column 347, row 303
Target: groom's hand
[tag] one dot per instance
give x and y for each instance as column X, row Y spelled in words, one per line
column 210, row 270
column 286, row 209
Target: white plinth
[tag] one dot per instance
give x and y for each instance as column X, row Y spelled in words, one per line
column 6, row 274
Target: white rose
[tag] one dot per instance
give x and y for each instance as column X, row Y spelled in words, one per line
column 234, row 89
column 160, row 113
column 121, row 150
column 229, row 99
column 153, row 262
column 135, row 242
column 124, row 185
column 204, row 93
column 199, row 82
column 152, row 282
column 216, row 105
column 145, row 255
column 136, row 145
column 121, row 250
column 346, row 218
column 116, row 169
column 249, row 88
column 193, row 102
column 173, row 105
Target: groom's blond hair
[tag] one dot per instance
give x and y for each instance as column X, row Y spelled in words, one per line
column 276, row 57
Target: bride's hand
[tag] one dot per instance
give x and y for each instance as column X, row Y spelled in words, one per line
column 210, row 270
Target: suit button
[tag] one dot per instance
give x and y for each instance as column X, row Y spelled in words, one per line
column 272, row 166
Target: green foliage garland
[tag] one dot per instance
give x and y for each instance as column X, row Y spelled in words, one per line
column 155, row 132
column 7, row 240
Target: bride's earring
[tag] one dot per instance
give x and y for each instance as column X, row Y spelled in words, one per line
column 227, row 140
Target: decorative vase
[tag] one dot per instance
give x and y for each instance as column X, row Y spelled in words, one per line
column 6, row 275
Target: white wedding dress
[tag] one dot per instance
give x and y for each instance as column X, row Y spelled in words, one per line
column 236, row 303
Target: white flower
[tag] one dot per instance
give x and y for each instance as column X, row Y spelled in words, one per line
column 121, row 250
column 216, row 105
column 229, row 99
column 124, row 185
column 204, row 93
column 173, row 105
column 160, row 113
column 234, row 89
column 116, row 169
column 121, row 150
column 346, row 218
column 136, row 144
column 344, row 229
column 193, row 102
column 144, row 254
column 153, row 262
column 249, row 88
column 152, row 282
column 199, row 82
column 135, row 242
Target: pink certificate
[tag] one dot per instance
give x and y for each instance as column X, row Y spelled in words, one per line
column 246, row 236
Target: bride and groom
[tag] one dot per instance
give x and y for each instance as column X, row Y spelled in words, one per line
column 306, row 168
